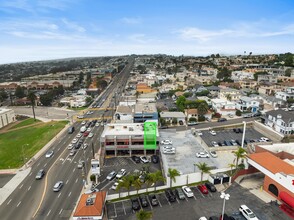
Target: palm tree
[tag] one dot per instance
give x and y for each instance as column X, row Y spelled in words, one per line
column 144, row 215
column 149, row 180
column 137, row 184
column 239, row 154
column 127, row 182
column 173, row 173
column 121, row 184
column 231, row 165
column 203, row 168
column 157, row 177
column 202, row 108
column 32, row 97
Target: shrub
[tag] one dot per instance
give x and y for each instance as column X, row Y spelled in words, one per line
column 238, row 112
column 201, row 118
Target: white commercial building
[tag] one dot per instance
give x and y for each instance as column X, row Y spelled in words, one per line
column 7, row 116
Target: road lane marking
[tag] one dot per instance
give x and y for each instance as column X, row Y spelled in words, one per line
column 49, row 212
column 60, row 211
column 21, row 186
column 77, row 180
column 38, row 164
column 18, row 204
column 66, row 182
column 59, row 195
column 124, row 207
column 45, row 165
column 30, row 173
column 29, row 188
column 58, row 149
column 69, row 194
column 9, row 201
column 74, row 170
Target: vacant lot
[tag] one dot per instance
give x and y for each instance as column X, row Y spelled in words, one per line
column 21, row 144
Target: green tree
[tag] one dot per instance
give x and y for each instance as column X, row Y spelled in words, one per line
column 238, row 112
column 3, row 95
column 127, row 182
column 88, row 100
column 187, row 94
column 19, row 92
column 231, row 165
column 192, row 119
column 144, row 215
column 204, row 168
column 162, row 122
column 172, row 173
column 174, row 121
column 202, row 108
column 81, row 77
column 149, row 180
column 157, row 177
column 239, row 154
column 224, row 73
column 137, row 184
column 101, row 84
column 201, row 118
column 32, row 97
column 181, row 103
column 288, row 72
column 46, row 99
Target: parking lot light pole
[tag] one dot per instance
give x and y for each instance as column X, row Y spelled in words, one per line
column 225, row 197
column 243, row 136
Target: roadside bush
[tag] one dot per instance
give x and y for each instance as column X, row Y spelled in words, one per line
column 238, row 112
column 201, row 118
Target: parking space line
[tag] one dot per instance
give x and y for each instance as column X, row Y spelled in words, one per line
column 124, row 207
column 194, row 197
column 187, row 198
column 60, row 211
column 49, row 212
column 200, row 192
column 177, row 200
column 159, row 202
column 30, row 174
column 9, row 201
column 18, row 204
column 167, row 199
column 114, row 210
column 149, row 202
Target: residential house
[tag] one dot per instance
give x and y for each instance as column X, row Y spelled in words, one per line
column 193, row 113
column 241, row 75
column 229, row 94
column 288, row 93
column 91, row 206
column 280, row 121
column 170, row 116
column 223, row 106
column 247, row 104
column 248, row 84
column 144, row 88
column 267, row 78
column 269, row 89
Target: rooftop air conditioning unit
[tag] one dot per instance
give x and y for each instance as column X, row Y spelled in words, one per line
column 89, row 201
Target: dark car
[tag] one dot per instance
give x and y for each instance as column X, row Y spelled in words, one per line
column 213, row 218
column 136, row 159
column 153, row 200
column 170, row 195
column 135, row 204
column 222, row 119
column 221, row 144
column 236, row 130
column 240, row 130
column 143, row 200
column 180, row 193
column 163, row 127
column 154, row 159
column 78, row 145
column 246, row 141
column 227, row 143
column 210, row 187
column 40, row 174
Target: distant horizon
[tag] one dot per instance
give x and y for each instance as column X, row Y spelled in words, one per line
column 37, row 30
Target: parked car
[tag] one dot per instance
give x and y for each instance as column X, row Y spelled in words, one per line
column 72, row 152
column 70, row 146
column 111, row 175
column 143, row 200
column 227, row 143
column 74, row 141
column 240, row 130
column 163, row 127
column 222, row 119
column 40, row 174
column 57, row 187
column 202, row 189
column 144, row 159
column 169, row 151
column 214, row 144
column 135, row 204
column 136, row 159
column 236, row 130
column 86, row 133
column 49, row 154
column 247, row 213
column 202, row 155
column 238, row 142
column 221, row 143
column 192, row 123
column 114, row 186
column 264, row 139
column 121, row 173
column 234, row 143
column 213, row 154
column 170, row 195
column 166, row 142
column 85, row 145
column 154, row 158
column 153, row 200
column 188, row 192
column 212, row 132
column 78, row 135
column 210, row 187
column 180, row 193
column 90, row 135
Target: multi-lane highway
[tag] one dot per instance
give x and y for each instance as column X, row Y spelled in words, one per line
column 35, row 199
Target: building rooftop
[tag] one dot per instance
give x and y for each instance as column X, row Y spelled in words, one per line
column 272, row 163
column 125, row 109
column 172, row 114
column 287, row 116
column 91, row 205
column 3, row 110
column 145, row 107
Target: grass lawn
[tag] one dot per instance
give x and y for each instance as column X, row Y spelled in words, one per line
column 31, row 139
column 25, row 122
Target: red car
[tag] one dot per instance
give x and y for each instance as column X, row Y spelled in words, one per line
column 86, row 134
column 203, row 189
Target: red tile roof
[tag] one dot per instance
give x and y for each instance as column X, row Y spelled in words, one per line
column 91, row 210
column 272, row 163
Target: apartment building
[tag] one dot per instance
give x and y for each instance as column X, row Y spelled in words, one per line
column 280, row 121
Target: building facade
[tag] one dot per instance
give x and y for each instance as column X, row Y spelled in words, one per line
column 7, row 116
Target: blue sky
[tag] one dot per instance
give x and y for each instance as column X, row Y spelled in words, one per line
column 48, row 29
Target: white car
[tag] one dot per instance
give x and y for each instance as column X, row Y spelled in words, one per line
column 214, row 144
column 90, row 135
column 70, row 146
column 84, row 122
column 97, row 124
column 85, row 145
column 49, row 154
column 114, row 186
column 213, row 154
column 74, row 141
column 166, row 142
column 80, row 116
column 88, row 129
column 202, row 155
column 144, row 159
column 199, row 133
column 212, row 132
column 188, row 192
column 121, row 173
column 79, row 135
column 247, row 213
column 169, row 151
column 167, row 147
column 264, row 139
column 203, row 218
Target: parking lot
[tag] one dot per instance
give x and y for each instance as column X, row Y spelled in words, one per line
column 186, row 146
column 118, row 163
column 200, row 205
column 251, row 135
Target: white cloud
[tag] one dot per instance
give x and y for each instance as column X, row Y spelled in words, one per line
column 17, row 4
column 128, row 20
column 73, row 26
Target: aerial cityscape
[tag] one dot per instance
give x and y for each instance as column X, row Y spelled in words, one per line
column 146, row 110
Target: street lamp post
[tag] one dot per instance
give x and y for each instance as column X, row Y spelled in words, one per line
column 225, row 197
